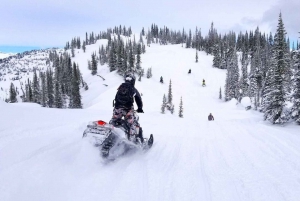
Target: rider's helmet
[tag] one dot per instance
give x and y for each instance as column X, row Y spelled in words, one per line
column 129, row 77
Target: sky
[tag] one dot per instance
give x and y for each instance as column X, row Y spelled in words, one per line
column 52, row 23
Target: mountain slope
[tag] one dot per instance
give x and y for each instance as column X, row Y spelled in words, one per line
column 236, row 157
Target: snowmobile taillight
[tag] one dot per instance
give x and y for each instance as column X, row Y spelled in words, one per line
column 101, row 123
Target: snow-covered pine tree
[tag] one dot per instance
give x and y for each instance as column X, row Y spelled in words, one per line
column 220, row 94
column 30, row 94
column 131, row 57
column 75, row 98
column 35, row 88
column 295, row 110
column 119, row 63
column 244, row 78
column 217, row 57
column 172, row 109
column 170, row 94
column 102, row 56
column 83, row 46
column 58, row 100
column 196, row 56
column 12, row 94
column 89, row 65
column 50, row 89
column 112, row 58
column 163, row 106
column 256, row 70
column 43, row 89
column 73, row 51
column 274, row 110
column 94, row 64
column 268, row 90
column 138, row 57
column 148, row 73
column 148, row 38
column 181, row 108
column 67, row 79
column 232, row 77
column 124, row 64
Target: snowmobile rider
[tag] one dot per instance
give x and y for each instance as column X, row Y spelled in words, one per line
column 210, row 117
column 123, row 106
column 203, row 83
column 161, row 79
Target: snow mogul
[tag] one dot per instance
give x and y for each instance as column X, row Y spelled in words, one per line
column 112, row 142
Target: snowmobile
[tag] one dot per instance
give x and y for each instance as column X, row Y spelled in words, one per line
column 114, row 140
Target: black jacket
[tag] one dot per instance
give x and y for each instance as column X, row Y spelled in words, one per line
column 137, row 98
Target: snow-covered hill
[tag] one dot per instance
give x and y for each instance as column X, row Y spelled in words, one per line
column 5, row 55
column 18, row 68
column 236, row 157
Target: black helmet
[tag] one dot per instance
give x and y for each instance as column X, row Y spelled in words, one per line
column 129, row 77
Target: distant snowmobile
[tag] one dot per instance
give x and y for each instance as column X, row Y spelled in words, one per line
column 203, row 83
column 114, row 140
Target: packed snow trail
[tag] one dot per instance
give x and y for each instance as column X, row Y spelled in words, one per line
column 236, row 157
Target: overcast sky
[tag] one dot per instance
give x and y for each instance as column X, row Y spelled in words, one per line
column 48, row 23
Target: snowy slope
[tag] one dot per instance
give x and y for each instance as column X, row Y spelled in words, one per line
column 18, row 68
column 5, row 55
column 236, row 157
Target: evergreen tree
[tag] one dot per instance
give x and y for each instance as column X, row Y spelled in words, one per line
column 30, row 94
column 220, row 94
column 12, row 94
column 244, row 78
column 75, row 98
column 112, row 63
column 268, row 88
column 217, row 57
column 83, row 46
column 67, row 79
column 36, row 88
column 232, row 77
column 274, row 110
column 138, row 57
column 43, row 89
column 148, row 73
column 295, row 111
column 163, row 106
column 131, row 58
column 170, row 95
column 50, row 89
column 172, row 109
column 181, row 108
column 73, row 51
column 196, row 56
column 58, row 99
column 89, row 65
column 94, row 64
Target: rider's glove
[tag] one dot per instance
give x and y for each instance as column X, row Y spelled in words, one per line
column 140, row 110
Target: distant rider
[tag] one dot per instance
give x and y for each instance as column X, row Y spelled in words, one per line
column 161, row 79
column 210, row 117
column 123, row 106
column 203, row 83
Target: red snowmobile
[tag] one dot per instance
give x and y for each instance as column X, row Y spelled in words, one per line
column 114, row 140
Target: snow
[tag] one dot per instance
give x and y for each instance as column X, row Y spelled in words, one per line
column 4, row 55
column 236, row 157
column 246, row 102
